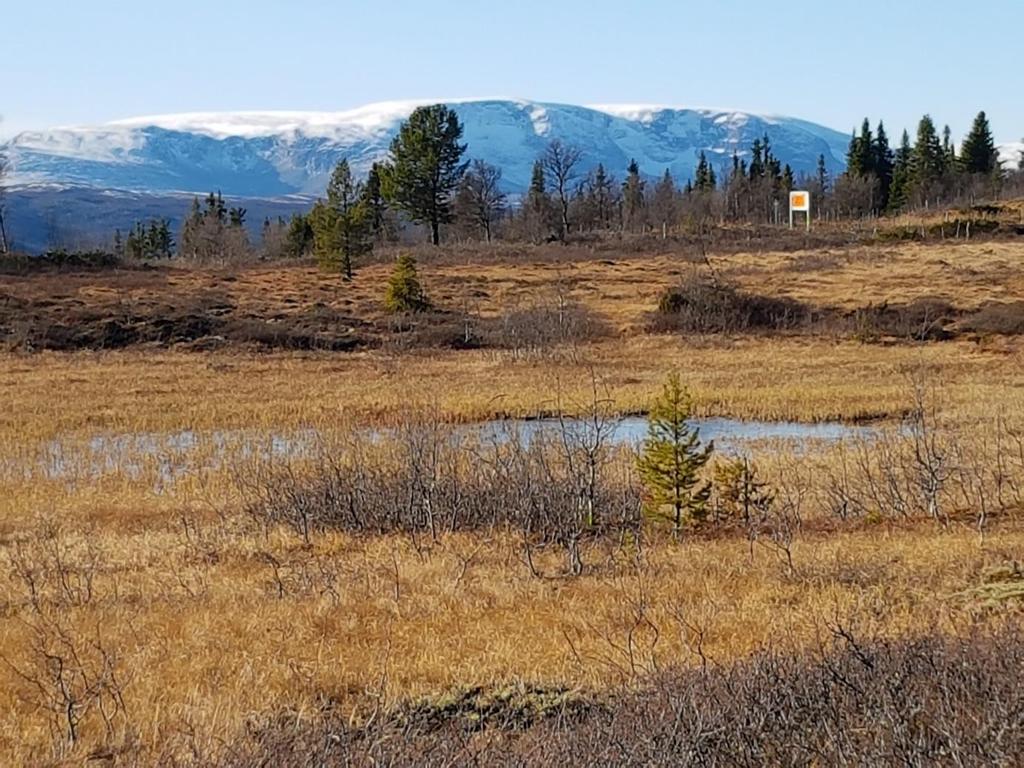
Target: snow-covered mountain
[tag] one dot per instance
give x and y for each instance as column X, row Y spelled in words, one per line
column 280, row 153
column 73, row 186
column 1011, row 154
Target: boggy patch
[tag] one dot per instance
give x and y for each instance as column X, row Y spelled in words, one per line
column 516, row 707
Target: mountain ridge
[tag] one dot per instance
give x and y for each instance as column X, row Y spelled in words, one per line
column 268, row 153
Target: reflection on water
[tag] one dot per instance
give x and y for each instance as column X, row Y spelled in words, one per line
column 171, row 455
column 727, row 433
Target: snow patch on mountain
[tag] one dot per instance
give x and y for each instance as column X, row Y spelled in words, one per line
column 367, row 120
column 1011, row 154
column 279, row 153
column 102, row 144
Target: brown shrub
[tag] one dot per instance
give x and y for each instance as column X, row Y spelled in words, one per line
column 702, row 305
column 996, row 318
column 923, row 319
column 288, row 334
column 931, row 701
column 432, row 329
column 544, row 328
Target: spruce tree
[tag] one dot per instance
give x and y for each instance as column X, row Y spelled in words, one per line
column 928, row 160
column 341, row 231
column 537, row 211
column 756, row 169
column 948, row 149
column 672, row 458
column 194, row 242
column 899, row 191
column 4, row 170
column 602, row 186
column 704, row 180
column 882, row 165
column 822, row 175
column 537, row 198
column 772, row 164
column 216, row 207
column 860, row 158
column 538, row 185
column 404, row 292
column 133, row 243
column 740, row 493
column 164, row 239
column 665, row 205
column 633, row 200
column 374, row 200
column 427, row 166
column 299, row 239
column 149, row 240
column 978, row 154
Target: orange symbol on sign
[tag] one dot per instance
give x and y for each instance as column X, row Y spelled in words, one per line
column 799, row 201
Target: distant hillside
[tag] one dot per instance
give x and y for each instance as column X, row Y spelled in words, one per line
column 78, row 217
column 278, row 153
column 274, row 154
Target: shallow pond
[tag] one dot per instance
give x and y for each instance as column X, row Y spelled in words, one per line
column 729, row 434
column 168, row 456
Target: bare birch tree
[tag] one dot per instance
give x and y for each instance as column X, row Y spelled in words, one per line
column 561, row 163
column 480, row 199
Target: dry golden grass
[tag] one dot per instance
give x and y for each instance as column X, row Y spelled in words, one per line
column 208, row 630
column 798, row 378
column 56, row 404
column 623, row 289
column 753, row 376
column 208, row 634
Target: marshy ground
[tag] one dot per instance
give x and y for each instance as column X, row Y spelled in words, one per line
column 189, row 628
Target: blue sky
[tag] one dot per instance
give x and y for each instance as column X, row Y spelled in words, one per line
column 88, row 61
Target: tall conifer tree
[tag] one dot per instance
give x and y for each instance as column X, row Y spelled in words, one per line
column 341, row 227
column 427, row 166
column 899, row 191
column 928, row 160
column 978, row 154
column 633, row 201
column 882, row 165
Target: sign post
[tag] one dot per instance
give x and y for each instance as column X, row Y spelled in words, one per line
column 800, row 201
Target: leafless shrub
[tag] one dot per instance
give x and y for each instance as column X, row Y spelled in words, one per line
column 781, row 522
column 52, row 572
column 929, row 466
column 434, row 329
column 422, row 476
column 929, row 701
column 75, row 676
column 628, row 650
column 552, row 326
column 308, row 575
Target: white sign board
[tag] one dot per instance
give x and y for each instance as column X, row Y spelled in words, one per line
column 800, row 201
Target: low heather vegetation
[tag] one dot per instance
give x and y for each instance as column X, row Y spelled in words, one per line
column 930, row 701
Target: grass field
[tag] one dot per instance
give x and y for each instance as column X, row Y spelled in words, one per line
column 177, row 618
